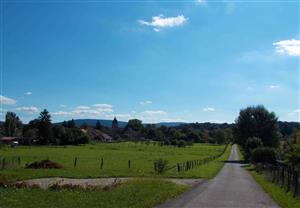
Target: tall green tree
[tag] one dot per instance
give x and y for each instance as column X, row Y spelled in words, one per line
column 12, row 124
column 44, row 127
column 134, row 124
column 256, row 121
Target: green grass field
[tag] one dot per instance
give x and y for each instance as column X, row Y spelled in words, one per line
column 115, row 157
column 139, row 192
column 135, row 193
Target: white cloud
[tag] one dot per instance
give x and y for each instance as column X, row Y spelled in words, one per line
column 208, row 109
column 147, row 102
column 159, row 22
column 103, row 105
column 294, row 112
column 82, row 107
column 289, row 47
column 61, row 113
column 274, row 86
column 28, row 93
column 31, row 109
column 62, row 106
column 153, row 113
column 87, row 111
column 6, row 100
column 201, row 2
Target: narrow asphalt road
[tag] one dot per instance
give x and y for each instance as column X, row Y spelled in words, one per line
column 232, row 187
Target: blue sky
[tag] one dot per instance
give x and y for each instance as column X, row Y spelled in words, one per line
column 156, row 61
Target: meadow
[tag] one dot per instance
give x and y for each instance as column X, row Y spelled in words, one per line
column 146, row 189
column 115, row 157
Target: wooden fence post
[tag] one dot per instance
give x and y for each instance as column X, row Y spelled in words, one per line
column 3, row 163
column 288, row 179
column 19, row 160
column 101, row 165
column 75, row 162
column 295, row 182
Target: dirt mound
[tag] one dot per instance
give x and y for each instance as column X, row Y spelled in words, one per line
column 44, row 164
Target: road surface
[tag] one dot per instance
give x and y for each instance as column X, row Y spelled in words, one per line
column 233, row 187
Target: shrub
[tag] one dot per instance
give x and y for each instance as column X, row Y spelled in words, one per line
column 181, row 143
column 251, row 144
column 263, row 155
column 160, row 166
column 44, row 164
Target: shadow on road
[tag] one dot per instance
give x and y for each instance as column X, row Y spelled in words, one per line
column 236, row 161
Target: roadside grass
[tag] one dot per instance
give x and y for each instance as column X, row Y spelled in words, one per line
column 115, row 160
column 283, row 198
column 279, row 195
column 134, row 193
column 241, row 156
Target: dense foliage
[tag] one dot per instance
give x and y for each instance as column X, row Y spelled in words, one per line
column 256, row 121
column 252, row 122
column 263, row 155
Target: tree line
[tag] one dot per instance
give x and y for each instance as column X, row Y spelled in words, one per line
column 42, row 131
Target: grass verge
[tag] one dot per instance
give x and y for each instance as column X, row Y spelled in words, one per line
column 279, row 195
column 134, row 193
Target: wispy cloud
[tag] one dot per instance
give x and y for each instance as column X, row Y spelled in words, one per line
column 82, row 107
column 147, row 102
column 230, row 7
column 294, row 112
column 154, row 112
column 7, row 101
column 103, row 105
column 288, row 47
column 62, row 106
column 208, row 109
column 28, row 93
column 30, row 109
column 201, row 2
column 159, row 22
column 274, row 87
column 87, row 111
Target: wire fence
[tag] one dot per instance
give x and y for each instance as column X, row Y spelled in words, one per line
column 284, row 175
column 190, row 164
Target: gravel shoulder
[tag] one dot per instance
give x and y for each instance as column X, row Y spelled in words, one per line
column 45, row 183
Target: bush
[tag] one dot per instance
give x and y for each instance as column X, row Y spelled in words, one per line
column 251, row 144
column 263, row 155
column 181, row 143
column 44, row 164
column 160, row 166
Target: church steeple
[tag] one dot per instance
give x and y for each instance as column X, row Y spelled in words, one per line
column 115, row 125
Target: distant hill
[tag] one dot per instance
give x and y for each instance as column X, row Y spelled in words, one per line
column 122, row 124
column 92, row 122
column 169, row 124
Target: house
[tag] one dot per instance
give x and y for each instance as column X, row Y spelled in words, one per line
column 98, row 135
